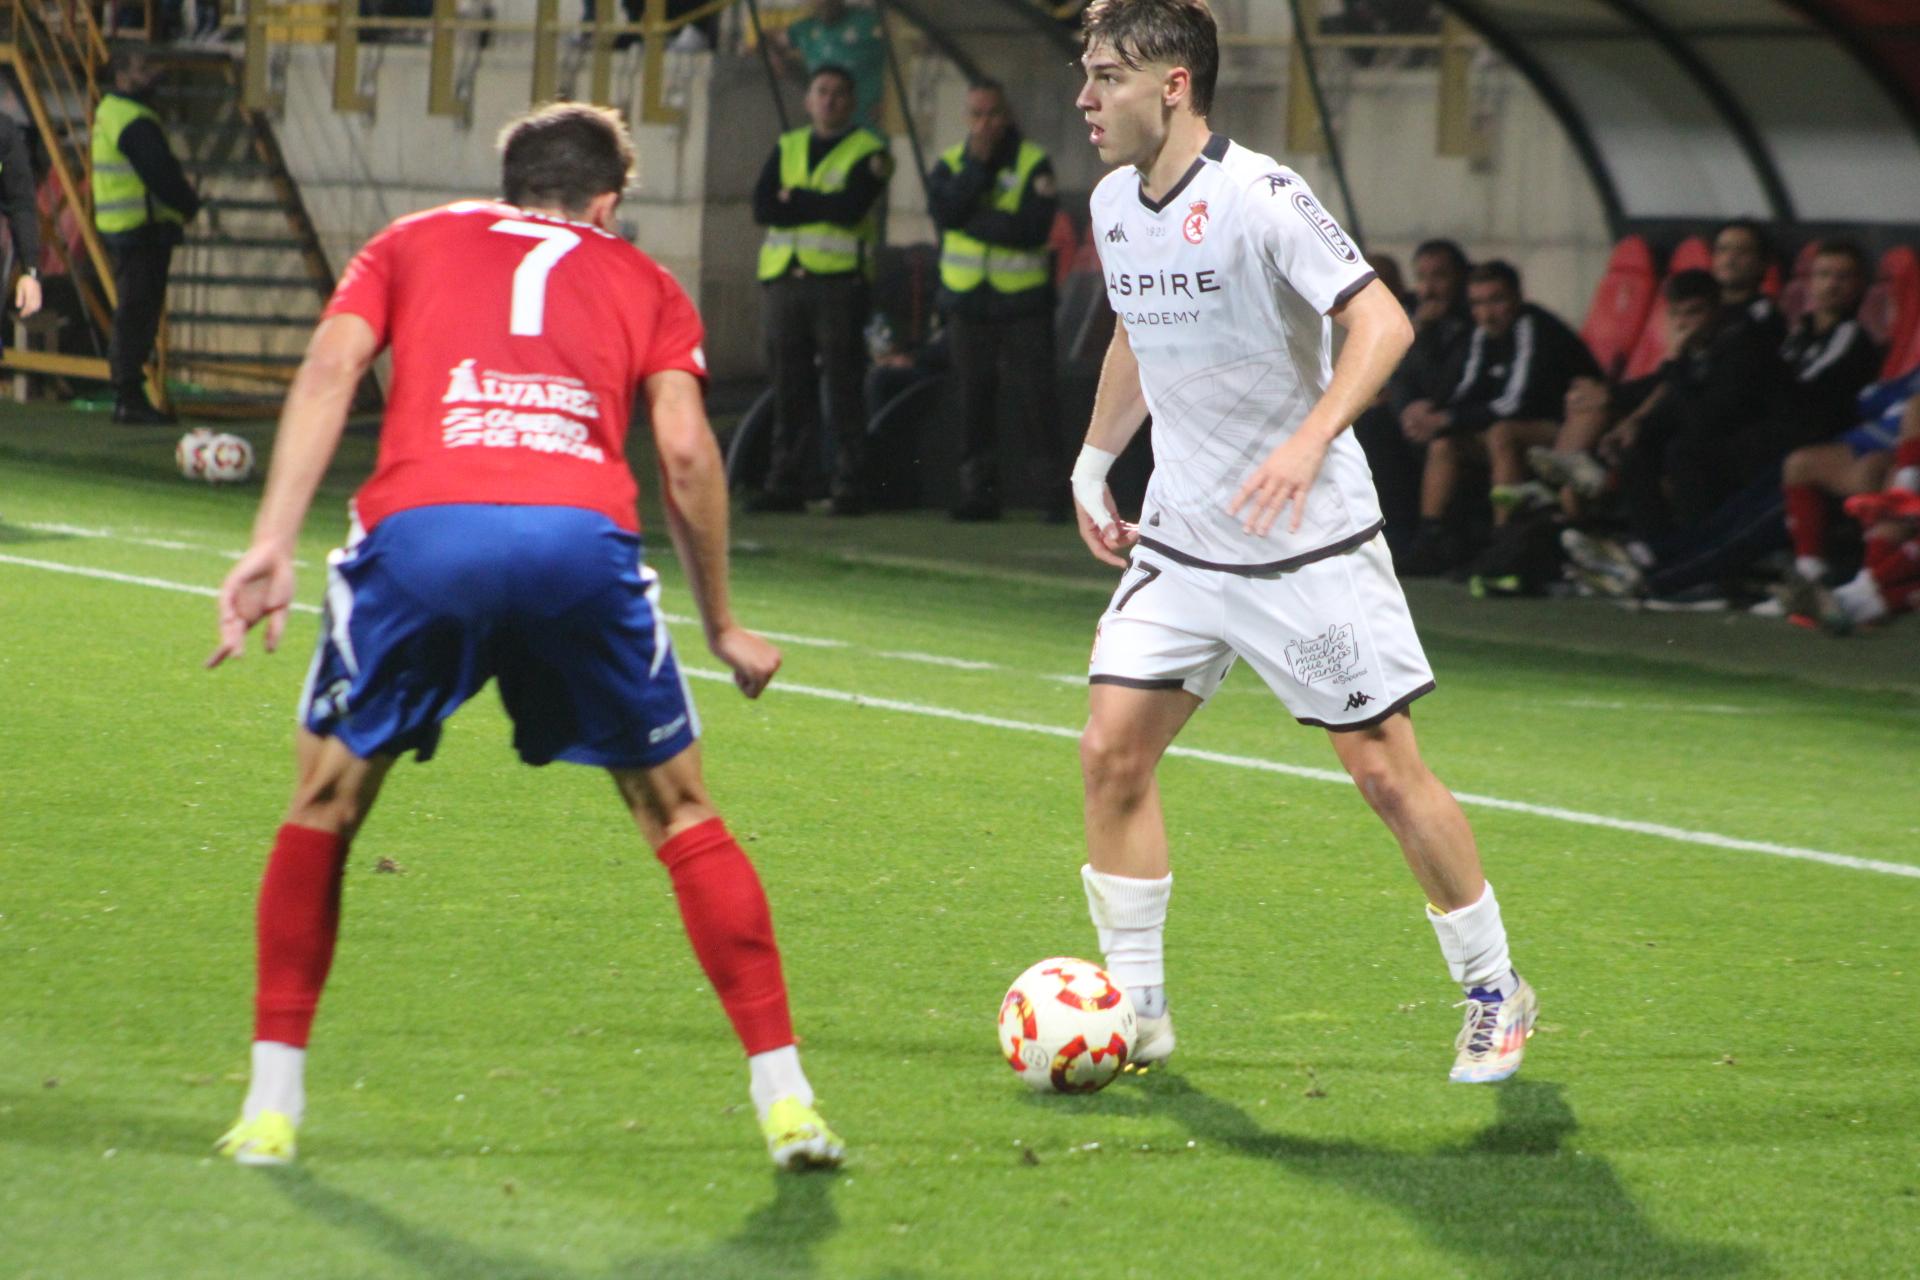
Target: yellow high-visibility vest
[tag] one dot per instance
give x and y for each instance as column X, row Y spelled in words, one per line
column 965, row 262
column 823, row 248
column 121, row 201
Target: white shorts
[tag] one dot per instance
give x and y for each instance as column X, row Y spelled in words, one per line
column 1332, row 638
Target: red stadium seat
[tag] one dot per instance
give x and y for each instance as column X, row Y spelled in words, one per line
column 1693, row 254
column 1891, row 311
column 1620, row 304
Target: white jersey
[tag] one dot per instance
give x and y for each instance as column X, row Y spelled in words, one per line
column 1224, row 286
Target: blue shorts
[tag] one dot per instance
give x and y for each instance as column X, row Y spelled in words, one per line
column 553, row 601
column 1877, row 435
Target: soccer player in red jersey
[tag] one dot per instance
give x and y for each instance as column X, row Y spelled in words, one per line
column 499, row 538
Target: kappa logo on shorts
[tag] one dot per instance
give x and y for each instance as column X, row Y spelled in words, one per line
column 1355, row 701
column 657, row 736
column 1331, row 657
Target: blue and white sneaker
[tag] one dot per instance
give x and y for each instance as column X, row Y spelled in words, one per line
column 1495, row 1035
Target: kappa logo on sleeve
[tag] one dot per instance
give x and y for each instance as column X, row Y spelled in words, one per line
column 1322, row 222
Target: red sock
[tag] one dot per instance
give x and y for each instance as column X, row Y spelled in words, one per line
column 1879, row 550
column 725, row 913
column 1807, row 519
column 1897, row 568
column 1906, row 453
column 299, row 917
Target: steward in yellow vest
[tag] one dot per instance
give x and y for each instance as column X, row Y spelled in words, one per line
column 993, row 199
column 817, row 197
column 994, row 210
column 141, row 202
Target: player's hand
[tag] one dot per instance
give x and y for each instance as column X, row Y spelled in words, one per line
column 259, row 586
column 1285, row 477
column 752, row 659
column 1110, row 536
column 1617, row 443
column 26, row 296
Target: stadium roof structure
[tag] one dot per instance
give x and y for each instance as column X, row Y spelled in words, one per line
column 1791, row 110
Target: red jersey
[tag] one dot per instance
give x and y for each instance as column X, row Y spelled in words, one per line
column 518, row 341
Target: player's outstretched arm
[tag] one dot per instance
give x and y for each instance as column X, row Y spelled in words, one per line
column 1378, row 335
column 1119, row 407
column 695, row 489
column 261, row 583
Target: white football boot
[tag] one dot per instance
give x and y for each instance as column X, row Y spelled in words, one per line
column 1152, row 1042
column 1494, row 1037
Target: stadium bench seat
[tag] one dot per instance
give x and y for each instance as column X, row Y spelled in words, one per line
column 1620, row 304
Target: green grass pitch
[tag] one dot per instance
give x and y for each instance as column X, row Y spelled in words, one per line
column 519, row 1072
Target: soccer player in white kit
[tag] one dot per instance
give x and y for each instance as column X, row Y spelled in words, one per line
column 1260, row 537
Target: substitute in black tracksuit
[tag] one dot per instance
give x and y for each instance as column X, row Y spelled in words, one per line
column 993, row 199
column 22, row 214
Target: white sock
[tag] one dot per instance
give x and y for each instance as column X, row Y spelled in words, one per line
column 776, row 1074
column 1812, row 568
column 1475, row 944
column 1861, row 598
column 1130, row 916
column 1907, row 478
column 279, row 1081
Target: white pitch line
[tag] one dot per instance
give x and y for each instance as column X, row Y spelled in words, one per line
column 1577, row 817
column 938, row 660
column 131, row 579
column 1657, row 829
column 162, row 544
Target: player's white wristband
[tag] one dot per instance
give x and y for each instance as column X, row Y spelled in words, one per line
column 1089, row 482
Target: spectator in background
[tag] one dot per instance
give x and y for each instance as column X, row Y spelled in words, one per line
column 1442, row 326
column 836, row 34
column 1888, row 583
column 20, row 204
column 993, row 199
column 1741, row 256
column 816, row 196
column 1813, row 478
column 141, row 202
column 1827, row 359
column 1508, row 395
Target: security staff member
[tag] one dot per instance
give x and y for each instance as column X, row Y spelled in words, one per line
column 22, row 212
column 141, row 201
column 816, row 197
column 993, row 198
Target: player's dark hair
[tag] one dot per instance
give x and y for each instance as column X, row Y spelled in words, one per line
column 564, row 154
column 1843, row 247
column 1752, row 228
column 1448, row 249
column 122, row 59
column 834, row 69
column 1696, row 285
column 1496, row 271
column 1179, row 33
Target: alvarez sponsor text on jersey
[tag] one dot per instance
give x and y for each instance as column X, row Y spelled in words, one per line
column 1225, row 286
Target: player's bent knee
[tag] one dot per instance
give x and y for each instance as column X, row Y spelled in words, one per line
column 1112, row 765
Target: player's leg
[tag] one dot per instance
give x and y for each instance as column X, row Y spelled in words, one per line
column 297, row 921
column 725, row 912
column 1810, row 478
column 1128, row 877
column 1385, row 764
column 1157, row 656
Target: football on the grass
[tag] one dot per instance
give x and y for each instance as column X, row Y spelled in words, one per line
column 191, row 455
column 1066, row 1026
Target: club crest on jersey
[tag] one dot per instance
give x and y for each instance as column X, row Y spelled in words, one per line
column 1195, row 227
column 1328, row 229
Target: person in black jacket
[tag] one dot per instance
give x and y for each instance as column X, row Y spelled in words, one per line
column 994, row 200
column 22, row 213
column 1508, row 394
column 1442, row 327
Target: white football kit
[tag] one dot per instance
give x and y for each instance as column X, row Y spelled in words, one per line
column 1225, row 286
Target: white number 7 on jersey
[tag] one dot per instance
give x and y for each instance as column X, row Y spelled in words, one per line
column 530, row 277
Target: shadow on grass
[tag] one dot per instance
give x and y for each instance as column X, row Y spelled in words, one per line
column 1516, row 1199
column 776, row 1240
column 13, row 535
